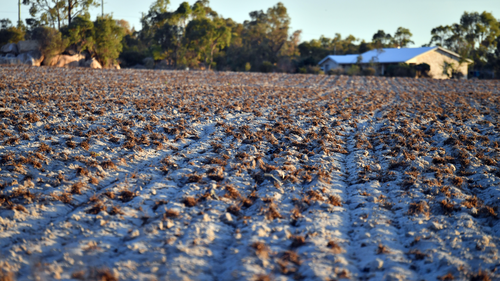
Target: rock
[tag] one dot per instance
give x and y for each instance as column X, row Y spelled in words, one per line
column 93, row 63
column 9, row 48
column 227, row 218
column 9, row 60
column 377, row 264
column 66, row 61
column 170, row 224
column 206, row 217
column 134, row 233
column 116, row 66
column 163, row 64
column 485, row 240
column 36, row 57
column 436, row 226
column 23, row 58
column 28, row 45
column 138, row 66
column 149, row 62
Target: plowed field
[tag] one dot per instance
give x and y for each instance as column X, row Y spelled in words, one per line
column 178, row 175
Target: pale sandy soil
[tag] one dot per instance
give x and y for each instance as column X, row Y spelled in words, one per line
column 161, row 175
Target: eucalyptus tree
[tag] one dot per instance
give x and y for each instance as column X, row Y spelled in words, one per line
column 206, row 34
column 402, row 37
column 58, row 12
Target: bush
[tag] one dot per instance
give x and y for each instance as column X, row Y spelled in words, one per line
column 131, row 58
column 353, row 70
column 9, row 33
column 315, row 70
column 423, row 70
column 401, row 70
column 248, row 66
column 266, row 67
column 79, row 34
column 336, row 71
column 108, row 40
column 51, row 41
column 369, row 71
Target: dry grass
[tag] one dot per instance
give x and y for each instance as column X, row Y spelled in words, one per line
column 261, row 249
column 190, row 202
column 381, row 249
column 419, row 208
column 334, row 247
column 169, row 214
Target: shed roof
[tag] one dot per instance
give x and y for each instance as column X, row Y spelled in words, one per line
column 343, row 59
column 388, row 55
column 394, row 55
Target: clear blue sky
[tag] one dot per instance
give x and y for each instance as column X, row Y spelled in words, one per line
column 361, row 18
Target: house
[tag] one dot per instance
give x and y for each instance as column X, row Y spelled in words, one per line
column 437, row 58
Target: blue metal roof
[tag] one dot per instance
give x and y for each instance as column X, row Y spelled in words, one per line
column 386, row 55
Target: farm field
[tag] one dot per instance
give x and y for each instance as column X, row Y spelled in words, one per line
column 178, row 175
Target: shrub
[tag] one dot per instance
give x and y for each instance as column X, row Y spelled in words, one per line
column 401, row 70
column 10, row 34
column 79, row 34
column 266, row 67
column 336, row 71
column 369, row 71
column 353, row 70
column 108, row 40
column 423, row 70
column 51, row 41
column 315, row 70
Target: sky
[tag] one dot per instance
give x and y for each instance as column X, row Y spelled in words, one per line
column 361, row 18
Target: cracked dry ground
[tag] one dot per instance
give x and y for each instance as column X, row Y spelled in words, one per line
column 165, row 175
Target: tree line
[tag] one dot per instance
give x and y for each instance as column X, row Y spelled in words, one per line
column 197, row 37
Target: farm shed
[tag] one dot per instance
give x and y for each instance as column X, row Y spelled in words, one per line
column 435, row 57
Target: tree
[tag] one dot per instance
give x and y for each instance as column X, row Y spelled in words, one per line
column 440, row 35
column 51, row 41
column 56, row 12
column 49, row 12
column 10, row 33
column 402, row 37
column 79, row 33
column 475, row 37
column 108, row 40
column 76, row 8
column 265, row 37
column 206, row 34
column 381, row 39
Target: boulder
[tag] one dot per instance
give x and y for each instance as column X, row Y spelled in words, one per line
column 66, row 61
column 138, row 66
column 28, row 45
column 33, row 58
column 23, row 57
column 9, row 60
column 9, row 48
column 149, row 62
column 36, row 57
column 92, row 63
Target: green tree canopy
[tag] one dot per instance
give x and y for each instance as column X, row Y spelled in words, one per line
column 206, row 34
column 402, row 37
column 57, row 13
column 107, row 36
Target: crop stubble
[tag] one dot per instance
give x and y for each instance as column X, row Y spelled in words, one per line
column 244, row 176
